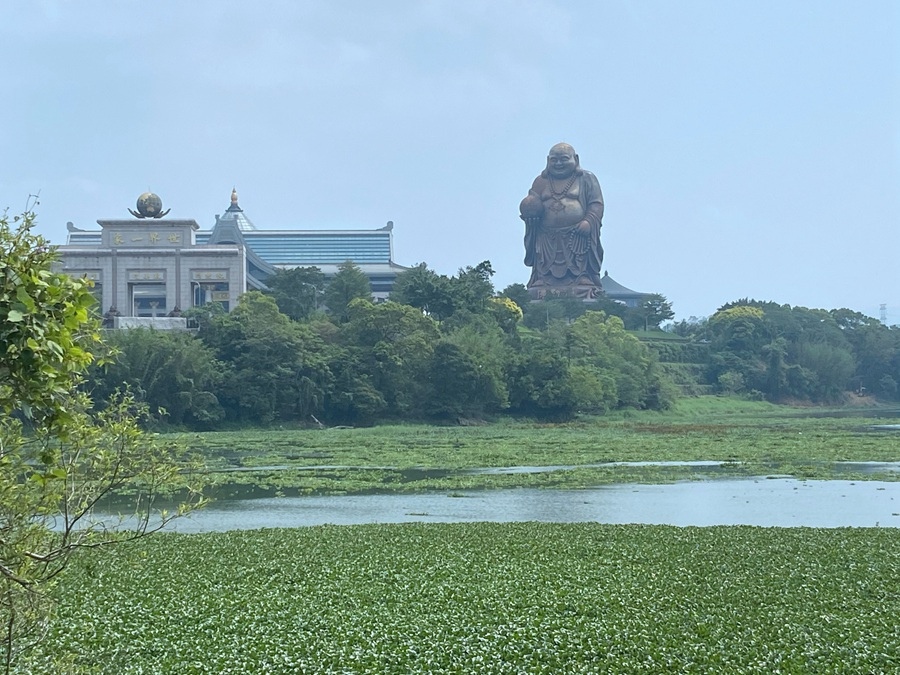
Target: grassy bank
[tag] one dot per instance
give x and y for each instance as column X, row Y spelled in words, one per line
column 752, row 438
column 486, row 598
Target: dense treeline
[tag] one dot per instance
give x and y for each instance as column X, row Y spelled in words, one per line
column 451, row 348
column 442, row 348
column 780, row 352
column 763, row 349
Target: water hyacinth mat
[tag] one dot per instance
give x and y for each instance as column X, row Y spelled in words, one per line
column 485, row 598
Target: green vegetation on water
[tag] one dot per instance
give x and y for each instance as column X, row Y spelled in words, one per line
column 749, row 438
column 485, row 598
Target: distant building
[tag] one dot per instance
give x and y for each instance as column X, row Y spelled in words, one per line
column 151, row 267
column 616, row 291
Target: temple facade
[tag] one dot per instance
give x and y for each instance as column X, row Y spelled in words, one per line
column 151, row 267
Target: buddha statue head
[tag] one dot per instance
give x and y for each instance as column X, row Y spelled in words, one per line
column 562, row 161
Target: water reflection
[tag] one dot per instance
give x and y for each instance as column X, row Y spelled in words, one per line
column 763, row 502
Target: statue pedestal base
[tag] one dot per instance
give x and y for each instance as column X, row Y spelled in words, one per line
column 578, row 291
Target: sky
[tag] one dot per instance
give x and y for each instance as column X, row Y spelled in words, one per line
column 744, row 148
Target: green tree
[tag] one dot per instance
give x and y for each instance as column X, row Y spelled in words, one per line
column 887, row 387
column 783, row 351
column 457, row 385
column 654, row 309
column 346, row 286
column 600, row 342
column 479, row 365
column 170, row 371
column 461, row 296
column 876, row 348
column 731, row 382
column 594, row 389
column 298, row 291
column 518, row 293
column 59, row 457
column 540, row 384
column 740, row 329
column 737, row 335
column 47, row 330
column 392, row 345
column 830, row 367
column 277, row 369
column 472, row 288
column 774, row 354
column 506, row 313
column 354, row 398
column 424, row 289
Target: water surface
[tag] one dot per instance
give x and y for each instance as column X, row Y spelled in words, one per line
column 420, row 473
column 772, row 502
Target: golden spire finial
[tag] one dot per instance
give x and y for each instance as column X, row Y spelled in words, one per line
column 234, row 197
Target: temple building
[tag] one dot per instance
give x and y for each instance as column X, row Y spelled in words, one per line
column 151, row 267
column 613, row 290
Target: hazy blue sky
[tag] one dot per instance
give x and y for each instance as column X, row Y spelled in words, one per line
column 744, row 148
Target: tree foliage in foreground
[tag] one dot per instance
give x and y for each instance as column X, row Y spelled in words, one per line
column 46, row 333
column 58, row 456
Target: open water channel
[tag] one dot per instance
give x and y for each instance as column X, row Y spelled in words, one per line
column 766, row 502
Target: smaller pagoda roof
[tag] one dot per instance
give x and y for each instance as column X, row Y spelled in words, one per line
column 235, row 215
column 616, row 291
column 228, row 230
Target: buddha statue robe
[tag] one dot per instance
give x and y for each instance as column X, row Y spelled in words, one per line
column 564, row 258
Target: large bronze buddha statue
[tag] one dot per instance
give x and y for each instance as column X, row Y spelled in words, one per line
column 563, row 213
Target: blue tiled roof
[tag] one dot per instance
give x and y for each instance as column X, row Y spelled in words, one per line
column 90, row 238
column 312, row 248
column 300, row 248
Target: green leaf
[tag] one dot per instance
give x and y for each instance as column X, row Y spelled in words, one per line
column 15, row 316
column 23, row 297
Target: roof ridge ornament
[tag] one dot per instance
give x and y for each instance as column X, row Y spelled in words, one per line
column 149, row 205
column 234, row 201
